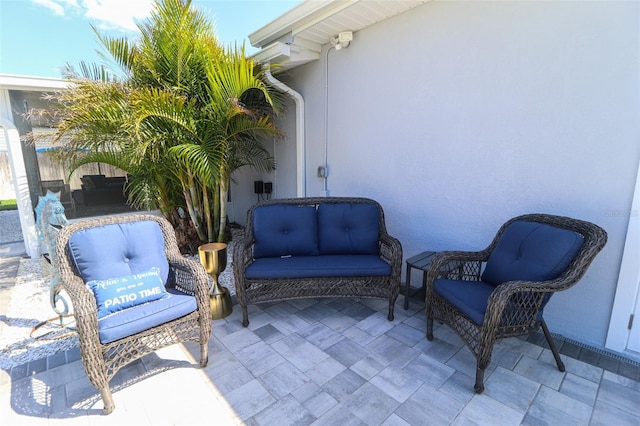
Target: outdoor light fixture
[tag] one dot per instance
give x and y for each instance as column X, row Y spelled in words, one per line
column 342, row 40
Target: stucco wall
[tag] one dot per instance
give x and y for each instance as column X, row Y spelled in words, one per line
column 283, row 149
column 457, row 116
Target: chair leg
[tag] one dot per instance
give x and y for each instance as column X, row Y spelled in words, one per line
column 407, row 288
column 391, row 305
column 552, row 345
column 245, row 316
column 479, row 386
column 204, row 355
column 107, row 400
column 483, row 358
column 429, row 328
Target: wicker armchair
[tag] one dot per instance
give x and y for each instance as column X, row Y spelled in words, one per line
column 501, row 291
column 159, row 324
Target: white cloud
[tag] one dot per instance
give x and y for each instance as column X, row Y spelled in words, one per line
column 51, row 5
column 107, row 14
column 117, row 14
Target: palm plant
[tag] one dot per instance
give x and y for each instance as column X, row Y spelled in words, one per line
column 180, row 116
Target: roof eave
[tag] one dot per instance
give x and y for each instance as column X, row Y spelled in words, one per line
column 314, row 23
column 32, row 83
column 285, row 56
column 305, row 13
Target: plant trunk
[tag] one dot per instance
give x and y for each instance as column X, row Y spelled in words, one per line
column 192, row 213
column 163, row 200
column 207, row 213
column 224, row 190
column 216, row 208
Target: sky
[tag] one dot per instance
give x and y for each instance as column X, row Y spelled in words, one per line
column 38, row 37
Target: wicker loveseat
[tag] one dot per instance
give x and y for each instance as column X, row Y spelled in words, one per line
column 132, row 293
column 316, row 247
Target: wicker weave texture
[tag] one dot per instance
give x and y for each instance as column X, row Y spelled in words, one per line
column 102, row 361
column 513, row 307
column 269, row 290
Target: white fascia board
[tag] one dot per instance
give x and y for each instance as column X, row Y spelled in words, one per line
column 303, row 15
column 276, row 53
column 32, row 83
column 285, row 56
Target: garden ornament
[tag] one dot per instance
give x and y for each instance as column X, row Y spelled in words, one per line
column 50, row 218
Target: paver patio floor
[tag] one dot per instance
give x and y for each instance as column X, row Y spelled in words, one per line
column 327, row 362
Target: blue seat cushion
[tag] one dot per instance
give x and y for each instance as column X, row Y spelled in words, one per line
column 348, row 228
column 472, row 297
column 317, row 266
column 117, row 250
column 138, row 318
column 469, row 297
column 530, row 251
column 281, row 230
column 119, row 293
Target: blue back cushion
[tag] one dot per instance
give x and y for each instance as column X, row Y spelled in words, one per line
column 531, row 251
column 282, row 230
column 348, row 228
column 117, row 250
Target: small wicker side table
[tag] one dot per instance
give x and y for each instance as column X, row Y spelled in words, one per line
column 419, row 261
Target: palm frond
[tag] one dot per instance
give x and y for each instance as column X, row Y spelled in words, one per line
column 202, row 160
column 113, row 158
column 121, row 51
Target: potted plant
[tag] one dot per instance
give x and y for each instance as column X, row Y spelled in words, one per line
column 179, row 114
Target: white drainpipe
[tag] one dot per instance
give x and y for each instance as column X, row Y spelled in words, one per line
column 301, row 182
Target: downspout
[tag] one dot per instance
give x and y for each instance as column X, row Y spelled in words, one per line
column 301, row 180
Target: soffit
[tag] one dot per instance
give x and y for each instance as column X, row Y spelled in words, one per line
column 297, row 36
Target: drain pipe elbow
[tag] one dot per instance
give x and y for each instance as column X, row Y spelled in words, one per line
column 301, row 183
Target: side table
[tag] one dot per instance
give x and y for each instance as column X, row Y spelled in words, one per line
column 420, row 261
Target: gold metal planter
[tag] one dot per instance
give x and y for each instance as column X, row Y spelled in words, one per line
column 213, row 257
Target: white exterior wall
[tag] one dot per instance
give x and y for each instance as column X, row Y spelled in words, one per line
column 457, row 116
